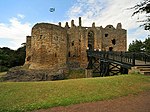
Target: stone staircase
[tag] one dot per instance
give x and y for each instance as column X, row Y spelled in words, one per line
column 142, row 69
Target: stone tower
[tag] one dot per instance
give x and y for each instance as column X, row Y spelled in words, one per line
column 46, row 49
column 53, row 47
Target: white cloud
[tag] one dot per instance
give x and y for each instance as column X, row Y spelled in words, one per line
column 21, row 16
column 109, row 12
column 14, row 33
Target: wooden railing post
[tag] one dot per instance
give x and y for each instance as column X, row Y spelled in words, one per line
column 145, row 58
column 133, row 59
column 121, row 56
column 113, row 55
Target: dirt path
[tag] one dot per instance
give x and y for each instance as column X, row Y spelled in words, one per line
column 131, row 103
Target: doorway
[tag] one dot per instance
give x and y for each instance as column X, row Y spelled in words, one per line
column 91, row 40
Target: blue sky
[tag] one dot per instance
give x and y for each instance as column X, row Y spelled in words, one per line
column 18, row 16
column 35, row 10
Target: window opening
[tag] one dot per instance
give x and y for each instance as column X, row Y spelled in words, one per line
column 110, row 48
column 114, row 41
column 72, row 43
column 106, row 35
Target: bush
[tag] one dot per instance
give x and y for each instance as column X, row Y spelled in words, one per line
column 3, row 68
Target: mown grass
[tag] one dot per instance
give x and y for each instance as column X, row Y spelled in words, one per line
column 74, row 74
column 27, row 96
column 1, row 75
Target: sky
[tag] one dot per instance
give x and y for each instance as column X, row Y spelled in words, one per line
column 19, row 16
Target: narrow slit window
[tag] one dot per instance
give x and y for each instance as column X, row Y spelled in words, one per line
column 69, row 55
column 41, row 36
column 55, row 55
column 72, row 43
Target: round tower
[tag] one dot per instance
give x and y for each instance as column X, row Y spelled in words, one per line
column 48, row 48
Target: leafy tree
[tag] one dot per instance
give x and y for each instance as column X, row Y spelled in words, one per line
column 136, row 46
column 147, row 45
column 20, row 55
column 139, row 46
column 10, row 58
column 143, row 7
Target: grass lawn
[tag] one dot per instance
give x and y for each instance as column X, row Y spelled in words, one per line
column 27, row 96
column 2, row 74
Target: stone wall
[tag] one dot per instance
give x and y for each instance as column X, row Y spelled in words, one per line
column 114, row 39
column 53, row 47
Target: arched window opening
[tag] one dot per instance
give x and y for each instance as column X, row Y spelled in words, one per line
column 90, row 46
column 91, row 40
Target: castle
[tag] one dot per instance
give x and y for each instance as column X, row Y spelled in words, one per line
column 53, row 47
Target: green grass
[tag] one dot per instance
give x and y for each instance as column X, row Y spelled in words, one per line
column 1, row 75
column 74, row 74
column 27, row 96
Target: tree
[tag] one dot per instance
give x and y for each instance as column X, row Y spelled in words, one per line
column 136, row 46
column 10, row 58
column 20, row 55
column 139, row 46
column 143, row 7
column 147, row 45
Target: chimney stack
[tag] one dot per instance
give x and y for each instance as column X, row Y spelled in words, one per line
column 72, row 23
column 66, row 26
column 80, row 22
column 93, row 25
column 59, row 23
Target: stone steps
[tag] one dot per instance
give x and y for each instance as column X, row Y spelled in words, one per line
column 145, row 72
column 142, row 69
column 137, row 67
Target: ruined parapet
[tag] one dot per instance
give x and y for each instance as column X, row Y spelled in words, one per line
column 110, row 27
column 119, row 26
column 66, row 25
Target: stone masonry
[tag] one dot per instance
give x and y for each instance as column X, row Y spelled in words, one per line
column 55, row 48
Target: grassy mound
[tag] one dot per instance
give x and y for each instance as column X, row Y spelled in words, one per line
column 27, row 96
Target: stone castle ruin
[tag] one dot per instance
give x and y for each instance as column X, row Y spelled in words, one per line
column 56, row 49
column 52, row 50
